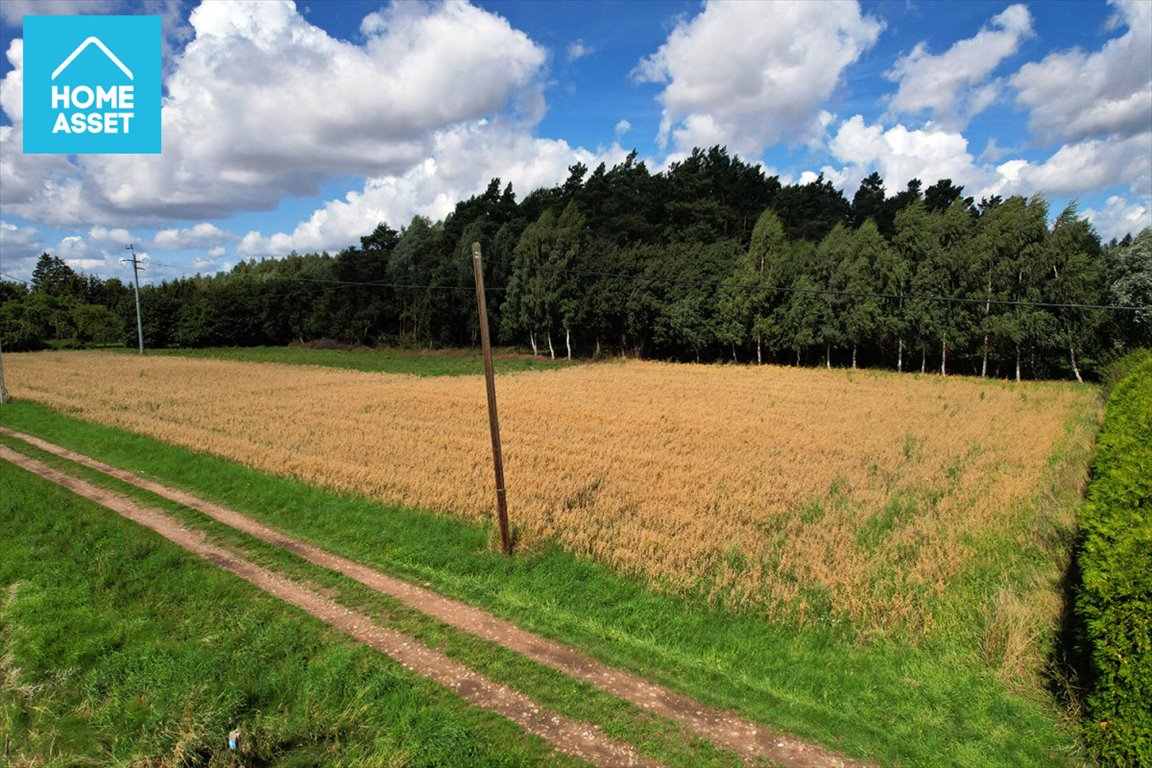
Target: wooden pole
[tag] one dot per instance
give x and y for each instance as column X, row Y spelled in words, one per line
column 3, row 389
column 493, row 420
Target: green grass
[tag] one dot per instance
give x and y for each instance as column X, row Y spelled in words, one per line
column 118, row 648
column 940, row 704
column 664, row 740
column 449, row 362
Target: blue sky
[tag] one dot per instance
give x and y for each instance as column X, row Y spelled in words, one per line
column 301, row 125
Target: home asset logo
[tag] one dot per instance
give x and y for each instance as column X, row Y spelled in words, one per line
column 91, row 84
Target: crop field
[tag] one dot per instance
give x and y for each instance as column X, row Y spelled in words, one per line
column 873, row 501
column 440, row 362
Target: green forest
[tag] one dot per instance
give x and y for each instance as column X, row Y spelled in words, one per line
column 710, row 260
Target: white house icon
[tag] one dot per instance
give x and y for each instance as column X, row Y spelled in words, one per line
column 80, row 49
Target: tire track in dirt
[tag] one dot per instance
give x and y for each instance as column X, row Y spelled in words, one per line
column 725, row 729
column 573, row 737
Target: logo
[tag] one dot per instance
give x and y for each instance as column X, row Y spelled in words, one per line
column 91, row 84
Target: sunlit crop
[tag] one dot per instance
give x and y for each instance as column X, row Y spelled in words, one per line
column 806, row 495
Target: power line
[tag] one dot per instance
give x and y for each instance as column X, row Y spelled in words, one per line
column 320, row 282
column 702, row 283
column 271, row 278
column 830, row 291
column 375, row 284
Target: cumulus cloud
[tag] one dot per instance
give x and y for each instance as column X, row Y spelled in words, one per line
column 176, row 30
column 933, row 152
column 461, row 163
column 16, row 235
column 750, row 74
column 261, row 104
column 1075, row 95
column 23, row 177
column 900, row 154
column 1087, row 166
column 578, row 50
column 201, row 236
column 1099, row 104
column 79, row 252
column 90, row 255
column 20, row 246
column 1120, row 217
column 171, row 12
column 117, row 236
column 954, row 85
column 12, row 12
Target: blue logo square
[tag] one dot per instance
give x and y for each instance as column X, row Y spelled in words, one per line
column 92, row 85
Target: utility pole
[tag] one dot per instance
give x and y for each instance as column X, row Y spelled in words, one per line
column 3, row 389
column 493, row 420
column 4, row 399
column 136, row 275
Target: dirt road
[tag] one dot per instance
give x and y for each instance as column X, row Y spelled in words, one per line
column 727, row 730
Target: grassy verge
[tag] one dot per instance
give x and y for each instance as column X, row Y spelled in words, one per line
column 118, row 648
column 942, row 704
column 449, row 362
column 669, row 743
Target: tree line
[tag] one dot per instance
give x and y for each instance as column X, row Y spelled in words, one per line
column 708, row 260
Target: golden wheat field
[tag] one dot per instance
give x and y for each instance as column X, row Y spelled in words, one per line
column 788, row 491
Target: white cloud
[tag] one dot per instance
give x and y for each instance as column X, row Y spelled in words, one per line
column 117, row 236
column 200, row 236
column 1099, row 104
column 100, row 252
column 12, row 86
column 899, row 155
column 14, row 235
column 72, row 246
column 578, row 50
column 262, row 104
column 20, row 247
column 622, row 128
column 953, row 85
column 175, row 29
column 993, row 151
column 1120, row 217
column 23, row 177
column 12, row 12
column 82, row 254
column 1087, row 166
column 807, row 177
column 751, row 74
column 463, row 160
column 1076, row 95
column 932, row 153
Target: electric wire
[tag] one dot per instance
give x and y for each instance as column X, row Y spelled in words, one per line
column 832, row 291
column 650, row 279
column 709, row 284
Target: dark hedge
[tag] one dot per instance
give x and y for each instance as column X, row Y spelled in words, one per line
column 1115, row 557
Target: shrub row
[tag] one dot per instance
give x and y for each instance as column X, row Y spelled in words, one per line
column 1115, row 557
